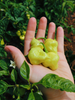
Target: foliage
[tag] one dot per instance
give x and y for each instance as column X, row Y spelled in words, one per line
column 25, row 90
column 14, row 16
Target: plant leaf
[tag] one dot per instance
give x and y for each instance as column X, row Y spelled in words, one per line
column 24, row 70
column 67, row 39
column 31, row 96
column 56, row 82
column 3, row 86
column 37, row 96
column 14, row 75
column 25, row 87
column 4, row 72
column 3, row 65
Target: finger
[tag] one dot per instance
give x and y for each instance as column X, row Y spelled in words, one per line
column 30, row 33
column 41, row 28
column 51, row 30
column 60, row 39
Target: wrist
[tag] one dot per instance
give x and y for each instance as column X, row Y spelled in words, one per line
column 63, row 96
column 52, row 94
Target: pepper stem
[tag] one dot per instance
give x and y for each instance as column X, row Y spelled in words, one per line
column 26, row 55
column 44, row 47
column 41, row 38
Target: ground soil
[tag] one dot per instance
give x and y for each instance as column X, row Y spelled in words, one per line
column 68, row 45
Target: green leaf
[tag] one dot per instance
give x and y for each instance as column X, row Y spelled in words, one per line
column 4, row 72
column 14, row 75
column 19, row 91
column 31, row 96
column 38, row 97
column 32, row 8
column 67, row 39
column 3, row 5
column 63, row 5
column 73, row 30
column 10, row 33
column 3, row 65
column 56, row 82
column 25, row 86
column 34, row 96
column 24, row 70
column 19, row 19
column 69, row 30
column 3, row 86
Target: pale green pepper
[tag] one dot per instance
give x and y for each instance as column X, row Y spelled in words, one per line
column 45, row 54
column 51, row 45
column 37, row 55
column 36, row 43
column 51, row 60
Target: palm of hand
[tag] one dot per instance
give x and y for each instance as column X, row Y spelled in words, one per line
column 62, row 71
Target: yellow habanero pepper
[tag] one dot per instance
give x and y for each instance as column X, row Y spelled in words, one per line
column 51, row 45
column 45, row 54
column 36, row 43
column 51, row 60
column 36, row 55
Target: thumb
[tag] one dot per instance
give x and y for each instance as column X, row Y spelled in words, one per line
column 17, row 55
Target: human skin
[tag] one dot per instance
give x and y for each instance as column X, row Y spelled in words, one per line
column 37, row 72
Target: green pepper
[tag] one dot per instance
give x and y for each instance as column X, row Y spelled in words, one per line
column 18, row 32
column 51, row 60
column 36, row 55
column 2, row 42
column 51, row 45
column 36, row 43
column 22, row 37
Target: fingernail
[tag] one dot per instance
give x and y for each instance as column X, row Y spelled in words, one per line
column 60, row 31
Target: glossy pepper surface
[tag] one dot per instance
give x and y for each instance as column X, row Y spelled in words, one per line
column 51, row 60
column 45, row 54
column 36, row 55
column 36, row 43
column 51, row 45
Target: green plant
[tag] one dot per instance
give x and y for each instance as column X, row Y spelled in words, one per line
column 14, row 16
column 20, row 90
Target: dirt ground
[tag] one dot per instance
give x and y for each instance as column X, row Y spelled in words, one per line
column 68, row 45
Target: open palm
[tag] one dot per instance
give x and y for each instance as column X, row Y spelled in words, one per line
column 37, row 72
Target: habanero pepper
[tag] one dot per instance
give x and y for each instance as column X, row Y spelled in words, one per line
column 36, row 43
column 36, row 55
column 45, row 54
column 51, row 45
column 51, row 60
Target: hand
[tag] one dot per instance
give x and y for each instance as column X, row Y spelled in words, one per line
column 37, row 72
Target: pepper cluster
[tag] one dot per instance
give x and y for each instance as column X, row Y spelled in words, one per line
column 21, row 34
column 44, row 53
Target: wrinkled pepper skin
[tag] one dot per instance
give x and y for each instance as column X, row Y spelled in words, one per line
column 47, row 57
column 36, row 43
column 51, row 60
column 36, row 55
column 51, row 45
